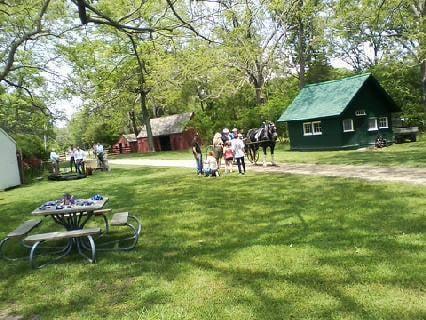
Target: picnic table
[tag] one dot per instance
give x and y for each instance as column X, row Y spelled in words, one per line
column 72, row 216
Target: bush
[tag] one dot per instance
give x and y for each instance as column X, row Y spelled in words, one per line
column 31, row 147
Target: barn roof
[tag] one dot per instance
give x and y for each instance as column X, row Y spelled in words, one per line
column 329, row 98
column 130, row 137
column 168, row 125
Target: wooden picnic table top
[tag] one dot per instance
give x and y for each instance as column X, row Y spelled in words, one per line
column 54, row 210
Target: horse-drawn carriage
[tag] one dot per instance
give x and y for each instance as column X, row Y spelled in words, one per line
column 265, row 136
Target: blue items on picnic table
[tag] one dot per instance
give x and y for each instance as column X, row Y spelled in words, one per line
column 62, row 203
column 97, row 197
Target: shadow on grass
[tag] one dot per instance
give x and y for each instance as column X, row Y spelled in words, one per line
column 263, row 246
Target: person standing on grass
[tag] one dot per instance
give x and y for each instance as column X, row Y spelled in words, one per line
column 238, row 147
column 99, row 150
column 228, row 154
column 218, row 147
column 79, row 155
column 196, row 151
column 54, row 158
column 73, row 164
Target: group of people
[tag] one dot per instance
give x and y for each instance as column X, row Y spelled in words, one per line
column 78, row 158
column 227, row 145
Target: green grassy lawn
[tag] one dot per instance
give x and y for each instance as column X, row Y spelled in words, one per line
column 397, row 155
column 236, row 247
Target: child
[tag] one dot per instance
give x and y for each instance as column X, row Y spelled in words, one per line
column 211, row 166
column 228, row 154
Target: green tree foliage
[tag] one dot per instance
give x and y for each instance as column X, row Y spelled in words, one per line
column 233, row 62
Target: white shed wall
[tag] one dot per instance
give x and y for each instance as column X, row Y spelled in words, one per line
column 9, row 172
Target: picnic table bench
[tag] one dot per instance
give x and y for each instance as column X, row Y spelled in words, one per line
column 124, row 219
column 73, row 236
column 19, row 232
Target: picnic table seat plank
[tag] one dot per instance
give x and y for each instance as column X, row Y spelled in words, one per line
column 51, row 236
column 119, row 219
column 24, row 228
column 101, row 211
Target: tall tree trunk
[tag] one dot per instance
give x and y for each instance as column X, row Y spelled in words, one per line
column 132, row 117
column 146, row 118
column 143, row 94
column 301, row 48
column 302, row 58
column 260, row 98
column 259, row 84
column 423, row 72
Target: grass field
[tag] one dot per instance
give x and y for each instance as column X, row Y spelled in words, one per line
column 235, row 247
column 397, row 155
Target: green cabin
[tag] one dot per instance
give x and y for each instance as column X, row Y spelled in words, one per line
column 340, row 114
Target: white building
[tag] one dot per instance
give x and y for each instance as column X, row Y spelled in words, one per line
column 9, row 172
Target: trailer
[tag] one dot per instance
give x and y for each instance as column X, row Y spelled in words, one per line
column 405, row 133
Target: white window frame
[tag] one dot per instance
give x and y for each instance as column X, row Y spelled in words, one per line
column 387, row 123
column 352, row 125
column 311, row 125
column 359, row 113
column 375, row 128
column 313, row 128
column 304, row 129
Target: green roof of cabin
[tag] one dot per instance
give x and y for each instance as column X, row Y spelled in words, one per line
column 325, row 99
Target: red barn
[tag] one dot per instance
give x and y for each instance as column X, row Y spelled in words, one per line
column 169, row 133
column 127, row 143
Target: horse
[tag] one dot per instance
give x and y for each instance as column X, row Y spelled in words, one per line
column 265, row 136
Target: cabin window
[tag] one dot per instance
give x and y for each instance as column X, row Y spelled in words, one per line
column 360, row 113
column 372, row 124
column 317, row 127
column 348, row 125
column 312, row 128
column 383, row 122
column 307, row 128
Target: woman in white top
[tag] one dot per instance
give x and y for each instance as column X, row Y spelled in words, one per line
column 238, row 146
column 211, row 166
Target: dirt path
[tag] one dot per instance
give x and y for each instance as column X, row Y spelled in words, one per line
column 406, row 175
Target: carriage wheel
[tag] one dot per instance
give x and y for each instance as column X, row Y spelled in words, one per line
column 253, row 155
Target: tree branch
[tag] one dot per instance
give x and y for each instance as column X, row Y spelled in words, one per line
column 19, row 41
column 44, row 110
column 186, row 24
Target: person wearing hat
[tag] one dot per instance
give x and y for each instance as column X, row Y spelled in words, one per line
column 54, row 159
column 225, row 135
column 234, row 134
